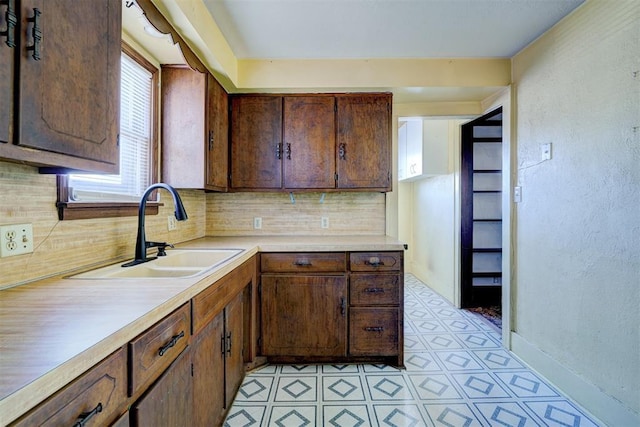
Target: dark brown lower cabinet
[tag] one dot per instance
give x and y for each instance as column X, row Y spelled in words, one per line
column 304, row 315
column 169, row 401
column 218, row 365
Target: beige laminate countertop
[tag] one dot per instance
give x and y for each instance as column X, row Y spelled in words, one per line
column 53, row 330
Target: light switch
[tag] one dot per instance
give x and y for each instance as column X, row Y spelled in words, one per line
column 545, row 151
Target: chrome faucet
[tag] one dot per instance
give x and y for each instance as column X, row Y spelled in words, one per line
column 141, row 242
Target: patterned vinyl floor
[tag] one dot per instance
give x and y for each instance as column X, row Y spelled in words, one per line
column 457, row 374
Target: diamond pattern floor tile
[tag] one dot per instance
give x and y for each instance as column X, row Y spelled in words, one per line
column 457, row 374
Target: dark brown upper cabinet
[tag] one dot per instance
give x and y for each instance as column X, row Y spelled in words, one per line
column 256, row 142
column 364, row 141
column 195, row 123
column 309, row 142
column 8, row 21
column 67, row 87
column 321, row 142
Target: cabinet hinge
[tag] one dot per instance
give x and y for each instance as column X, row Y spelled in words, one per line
column 259, row 342
column 118, row 141
column 335, row 107
column 335, row 177
column 192, row 369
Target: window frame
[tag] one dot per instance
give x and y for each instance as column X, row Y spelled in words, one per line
column 68, row 209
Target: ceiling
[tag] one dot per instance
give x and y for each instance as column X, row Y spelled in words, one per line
column 369, row 29
column 312, row 29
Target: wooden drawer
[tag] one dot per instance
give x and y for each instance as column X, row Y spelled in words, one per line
column 154, row 350
column 314, row 262
column 374, row 289
column 373, row 331
column 104, row 386
column 375, row 261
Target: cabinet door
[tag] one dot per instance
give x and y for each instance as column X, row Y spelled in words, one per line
column 364, row 141
column 6, row 71
column 309, row 142
column 217, row 136
column 169, row 401
column 234, row 368
column 304, row 315
column 208, row 374
column 256, row 142
column 69, row 85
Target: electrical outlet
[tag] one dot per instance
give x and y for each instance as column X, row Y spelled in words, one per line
column 324, row 222
column 16, row 239
column 171, row 223
column 257, row 223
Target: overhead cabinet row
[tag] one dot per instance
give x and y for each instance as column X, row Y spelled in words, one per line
column 317, row 142
column 247, row 142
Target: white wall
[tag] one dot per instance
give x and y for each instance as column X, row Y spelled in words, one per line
column 577, row 262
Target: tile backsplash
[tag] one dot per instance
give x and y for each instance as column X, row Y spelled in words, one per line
column 354, row 213
column 29, row 197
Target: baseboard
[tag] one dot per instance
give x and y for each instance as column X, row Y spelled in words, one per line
column 600, row 405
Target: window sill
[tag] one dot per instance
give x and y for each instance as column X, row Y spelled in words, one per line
column 76, row 210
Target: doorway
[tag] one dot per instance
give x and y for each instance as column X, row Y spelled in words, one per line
column 481, row 213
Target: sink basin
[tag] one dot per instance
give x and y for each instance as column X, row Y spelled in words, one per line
column 177, row 263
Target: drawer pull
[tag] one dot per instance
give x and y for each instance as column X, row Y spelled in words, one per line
column 374, row 290
column 170, row 344
column 302, row 263
column 374, row 261
column 373, row 328
column 86, row 416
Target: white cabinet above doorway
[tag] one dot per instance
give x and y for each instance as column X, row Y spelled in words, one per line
column 423, row 147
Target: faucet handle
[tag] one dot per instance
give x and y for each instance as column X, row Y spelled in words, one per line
column 162, row 246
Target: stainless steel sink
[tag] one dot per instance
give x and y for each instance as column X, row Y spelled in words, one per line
column 177, row 263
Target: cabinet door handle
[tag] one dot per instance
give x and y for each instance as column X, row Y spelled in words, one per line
column 343, row 306
column 373, row 329
column 302, row 263
column 288, row 151
column 223, row 345
column 36, row 34
column 374, row 261
column 174, row 339
column 12, row 20
column 210, row 140
column 342, row 151
column 86, row 416
column 229, row 343
column 279, row 151
column 374, row 290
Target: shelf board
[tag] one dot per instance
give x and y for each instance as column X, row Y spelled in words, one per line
column 480, row 250
column 488, row 220
column 487, row 139
column 487, row 274
column 487, row 171
column 487, row 191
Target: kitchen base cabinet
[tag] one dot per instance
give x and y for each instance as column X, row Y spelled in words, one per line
column 98, row 397
column 220, row 343
column 208, row 367
column 316, row 307
column 304, row 315
column 169, row 401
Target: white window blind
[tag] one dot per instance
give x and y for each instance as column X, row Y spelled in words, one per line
column 135, row 141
